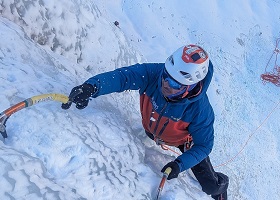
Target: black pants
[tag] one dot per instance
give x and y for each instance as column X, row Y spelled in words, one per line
column 212, row 183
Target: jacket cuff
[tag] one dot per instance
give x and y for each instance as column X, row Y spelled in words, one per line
column 179, row 163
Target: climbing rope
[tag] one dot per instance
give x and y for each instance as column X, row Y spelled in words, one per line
column 250, row 137
column 165, row 147
column 274, row 76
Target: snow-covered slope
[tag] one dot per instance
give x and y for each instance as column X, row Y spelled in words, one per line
column 101, row 152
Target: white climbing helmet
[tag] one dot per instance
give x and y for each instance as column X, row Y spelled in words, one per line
column 188, row 65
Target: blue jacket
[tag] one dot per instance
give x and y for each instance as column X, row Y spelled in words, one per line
column 171, row 122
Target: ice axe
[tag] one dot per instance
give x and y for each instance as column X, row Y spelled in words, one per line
column 162, row 182
column 4, row 116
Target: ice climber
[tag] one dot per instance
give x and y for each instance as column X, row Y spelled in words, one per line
column 175, row 109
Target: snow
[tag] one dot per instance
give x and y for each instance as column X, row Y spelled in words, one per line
column 102, row 152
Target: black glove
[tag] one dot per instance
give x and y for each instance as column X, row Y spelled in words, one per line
column 175, row 169
column 80, row 96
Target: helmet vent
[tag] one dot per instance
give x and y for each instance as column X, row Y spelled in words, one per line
column 198, row 75
column 204, row 69
column 187, row 75
column 171, row 59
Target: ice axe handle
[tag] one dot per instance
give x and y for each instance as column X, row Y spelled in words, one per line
column 75, row 93
column 164, row 177
column 162, row 182
column 167, row 171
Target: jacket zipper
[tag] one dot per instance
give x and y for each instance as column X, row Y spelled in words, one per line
column 159, row 118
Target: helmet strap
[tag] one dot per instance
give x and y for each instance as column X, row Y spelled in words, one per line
column 187, row 92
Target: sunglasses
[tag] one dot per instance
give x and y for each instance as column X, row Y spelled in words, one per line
column 171, row 82
column 174, row 84
column 178, row 91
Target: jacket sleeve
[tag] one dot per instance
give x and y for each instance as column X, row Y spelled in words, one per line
column 202, row 132
column 134, row 77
